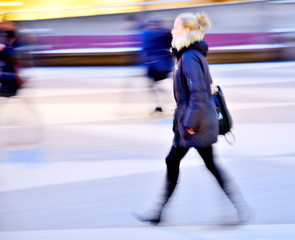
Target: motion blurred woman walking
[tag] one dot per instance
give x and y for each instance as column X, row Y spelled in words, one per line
column 195, row 120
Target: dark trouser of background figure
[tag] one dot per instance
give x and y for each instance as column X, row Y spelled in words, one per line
column 173, row 161
column 158, row 93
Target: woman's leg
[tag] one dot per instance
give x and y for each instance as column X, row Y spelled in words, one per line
column 225, row 183
column 207, row 156
column 172, row 161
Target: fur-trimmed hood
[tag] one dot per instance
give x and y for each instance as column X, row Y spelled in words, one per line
column 187, row 39
column 201, row 46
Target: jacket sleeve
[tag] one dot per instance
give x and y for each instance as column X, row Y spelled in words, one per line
column 197, row 92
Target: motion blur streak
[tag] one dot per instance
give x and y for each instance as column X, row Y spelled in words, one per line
column 82, row 147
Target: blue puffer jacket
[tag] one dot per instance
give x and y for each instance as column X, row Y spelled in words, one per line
column 195, row 105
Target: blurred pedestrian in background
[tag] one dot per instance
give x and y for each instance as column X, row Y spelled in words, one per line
column 9, row 79
column 19, row 120
column 195, row 119
column 157, row 56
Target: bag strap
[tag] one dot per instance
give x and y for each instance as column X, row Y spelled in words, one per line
column 232, row 136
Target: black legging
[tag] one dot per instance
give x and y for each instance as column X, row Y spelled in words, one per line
column 173, row 161
column 177, row 153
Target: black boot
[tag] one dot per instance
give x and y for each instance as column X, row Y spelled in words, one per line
column 154, row 217
column 158, row 109
column 242, row 208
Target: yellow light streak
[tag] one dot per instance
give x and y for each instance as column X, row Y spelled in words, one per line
column 10, row 4
column 49, row 9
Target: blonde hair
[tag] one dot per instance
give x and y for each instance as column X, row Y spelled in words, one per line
column 198, row 23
